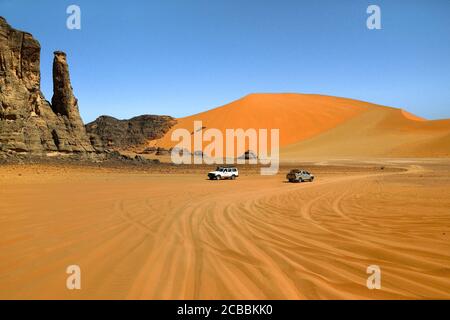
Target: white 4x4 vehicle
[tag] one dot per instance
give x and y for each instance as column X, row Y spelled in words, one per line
column 224, row 173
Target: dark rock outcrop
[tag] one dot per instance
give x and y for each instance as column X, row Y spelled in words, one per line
column 110, row 132
column 149, row 150
column 180, row 152
column 28, row 122
column 248, row 155
column 162, row 152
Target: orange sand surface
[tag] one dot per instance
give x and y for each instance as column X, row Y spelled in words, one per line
column 381, row 132
column 149, row 235
column 316, row 125
column 314, row 113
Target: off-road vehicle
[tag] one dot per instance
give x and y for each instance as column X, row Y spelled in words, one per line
column 224, row 173
column 299, row 176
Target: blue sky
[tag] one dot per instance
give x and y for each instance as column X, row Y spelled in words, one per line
column 180, row 57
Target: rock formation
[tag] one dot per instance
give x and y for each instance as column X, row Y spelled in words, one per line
column 28, row 123
column 63, row 101
column 248, row 155
column 122, row 134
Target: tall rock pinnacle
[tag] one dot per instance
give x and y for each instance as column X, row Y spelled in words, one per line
column 63, row 101
column 28, row 123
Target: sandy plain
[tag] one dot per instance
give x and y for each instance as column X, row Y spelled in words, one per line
column 165, row 233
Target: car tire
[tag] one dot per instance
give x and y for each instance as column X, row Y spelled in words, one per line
column 233, row 177
column 218, row 177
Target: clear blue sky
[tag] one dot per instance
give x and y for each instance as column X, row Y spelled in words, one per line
column 180, row 57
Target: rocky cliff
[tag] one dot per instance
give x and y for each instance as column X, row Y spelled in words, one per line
column 28, row 122
column 123, row 134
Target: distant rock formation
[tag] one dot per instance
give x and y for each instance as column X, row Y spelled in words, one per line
column 162, row 152
column 29, row 123
column 112, row 133
column 248, row 155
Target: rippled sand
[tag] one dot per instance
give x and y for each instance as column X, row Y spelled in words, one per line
column 140, row 235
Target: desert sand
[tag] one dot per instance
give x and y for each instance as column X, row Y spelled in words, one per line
column 168, row 235
column 274, row 111
column 380, row 132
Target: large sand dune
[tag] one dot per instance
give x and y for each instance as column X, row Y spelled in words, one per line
column 179, row 236
column 315, row 125
column 381, row 132
column 287, row 112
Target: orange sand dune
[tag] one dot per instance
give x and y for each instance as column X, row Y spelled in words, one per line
column 382, row 132
column 287, row 112
column 316, row 125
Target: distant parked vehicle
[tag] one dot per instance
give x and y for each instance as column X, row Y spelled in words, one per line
column 299, row 176
column 222, row 173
